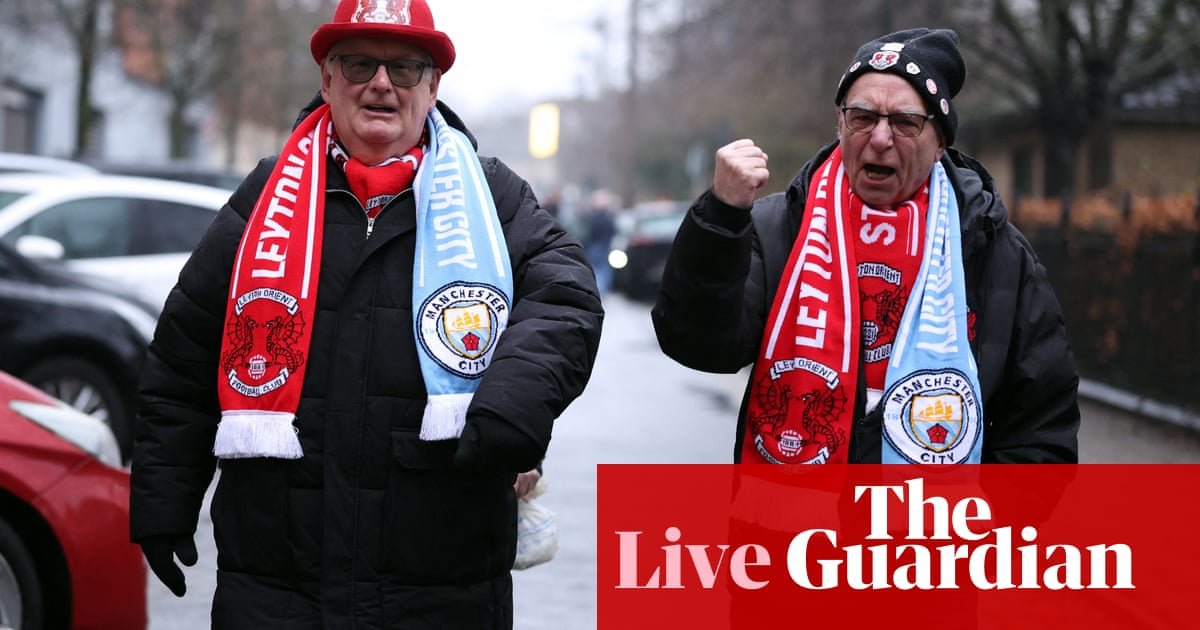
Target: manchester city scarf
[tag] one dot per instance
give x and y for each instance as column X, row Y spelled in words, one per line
column 462, row 278
column 804, row 381
column 931, row 405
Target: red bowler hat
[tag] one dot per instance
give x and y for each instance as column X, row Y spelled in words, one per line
column 405, row 20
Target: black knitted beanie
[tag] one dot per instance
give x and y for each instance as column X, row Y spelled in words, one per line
column 929, row 59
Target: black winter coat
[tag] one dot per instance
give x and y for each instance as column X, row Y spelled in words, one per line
column 726, row 264
column 372, row 528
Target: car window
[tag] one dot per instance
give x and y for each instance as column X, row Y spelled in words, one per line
column 98, row 227
column 7, row 197
column 167, row 227
column 661, row 226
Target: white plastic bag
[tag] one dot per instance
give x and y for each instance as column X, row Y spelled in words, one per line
column 537, row 530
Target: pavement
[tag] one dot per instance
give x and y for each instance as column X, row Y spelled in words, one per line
column 639, row 407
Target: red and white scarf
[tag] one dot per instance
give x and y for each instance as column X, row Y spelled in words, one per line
column 376, row 185
column 272, row 301
column 804, row 380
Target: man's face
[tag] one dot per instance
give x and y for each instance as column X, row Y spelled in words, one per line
column 884, row 168
column 377, row 120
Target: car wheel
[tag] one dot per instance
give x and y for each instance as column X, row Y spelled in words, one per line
column 20, row 592
column 88, row 389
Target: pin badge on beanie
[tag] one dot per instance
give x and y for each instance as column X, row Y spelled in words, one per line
column 404, row 20
column 928, row 59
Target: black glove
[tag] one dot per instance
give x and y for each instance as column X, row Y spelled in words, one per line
column 160, row 552
column 491, row 444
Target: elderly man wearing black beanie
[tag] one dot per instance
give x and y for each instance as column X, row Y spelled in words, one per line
column 889, row 310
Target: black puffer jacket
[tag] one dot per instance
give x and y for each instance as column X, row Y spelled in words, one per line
column 372, row 528
column 726, row 265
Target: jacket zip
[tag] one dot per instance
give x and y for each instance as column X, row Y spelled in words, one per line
column 370, row 219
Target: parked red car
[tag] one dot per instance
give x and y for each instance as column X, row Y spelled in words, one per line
column 65, row 556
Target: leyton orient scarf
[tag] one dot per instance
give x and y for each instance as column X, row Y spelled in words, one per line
column 801, row 403
column 272, row 298
column 274, row 286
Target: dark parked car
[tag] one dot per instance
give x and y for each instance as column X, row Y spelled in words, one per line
column 639, row 252
column 78, row 338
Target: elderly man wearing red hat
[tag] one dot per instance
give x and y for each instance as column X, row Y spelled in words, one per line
column 373, row 341
column 889, row 310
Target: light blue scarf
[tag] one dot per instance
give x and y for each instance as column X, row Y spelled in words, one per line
column 932, row 409
column 462, row 278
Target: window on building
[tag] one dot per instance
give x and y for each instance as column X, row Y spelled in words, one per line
column 21, row 119
column 1022, row 168
column 94, row 140
column 192, row 146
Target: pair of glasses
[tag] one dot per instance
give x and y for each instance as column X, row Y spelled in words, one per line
column 861, row 120
column 401, row 72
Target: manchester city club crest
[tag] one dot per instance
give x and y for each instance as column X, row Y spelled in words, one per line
column 932, row 417
column 459, row 326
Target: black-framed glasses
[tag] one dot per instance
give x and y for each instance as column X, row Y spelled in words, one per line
column 401, row 72
column 861, row 120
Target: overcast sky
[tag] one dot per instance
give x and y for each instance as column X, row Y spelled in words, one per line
column 511, row 54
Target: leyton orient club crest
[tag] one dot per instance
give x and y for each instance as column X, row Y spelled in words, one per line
column 815, row 439
column 383, row 12
column 264, row 333
column 884, row 59
column 459, row 325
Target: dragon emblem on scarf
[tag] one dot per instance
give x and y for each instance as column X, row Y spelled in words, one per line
column 263, row 348
column 889, row 310
column 820, row 409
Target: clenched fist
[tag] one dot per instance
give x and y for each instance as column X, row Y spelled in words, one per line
column 740, row 170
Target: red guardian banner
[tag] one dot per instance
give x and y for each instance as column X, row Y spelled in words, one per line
column 1048, row 546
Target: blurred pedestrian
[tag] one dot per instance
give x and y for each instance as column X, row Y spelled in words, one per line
column 889, row 309
column 385, row 326
column 552, row 203
column 600, row 228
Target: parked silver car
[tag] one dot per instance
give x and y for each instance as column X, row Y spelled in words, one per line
column 134, row 231
column 27, row 163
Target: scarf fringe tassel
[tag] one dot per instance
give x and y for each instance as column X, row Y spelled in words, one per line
column 243, row 434
column 445, row 416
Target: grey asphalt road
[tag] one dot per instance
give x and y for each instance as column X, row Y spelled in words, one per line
column 641, row 407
